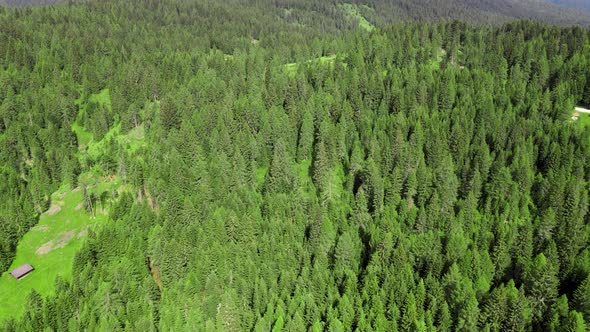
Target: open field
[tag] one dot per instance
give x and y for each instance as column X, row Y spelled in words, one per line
column 51, row 245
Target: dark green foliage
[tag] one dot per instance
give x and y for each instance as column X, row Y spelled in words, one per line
column 429, row 178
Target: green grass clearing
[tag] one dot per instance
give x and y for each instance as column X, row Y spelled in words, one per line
column 584, row 120
column 51, row 245
column 353, row 11
column 131, row 141
column 581, row 119
column 434, row 64
column 327, row 60
column 441, row 54
column 260, row 175
column 102, row 98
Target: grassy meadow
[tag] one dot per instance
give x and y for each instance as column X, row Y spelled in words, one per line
column 50, row 246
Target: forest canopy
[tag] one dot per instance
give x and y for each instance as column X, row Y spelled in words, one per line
column 254, row 168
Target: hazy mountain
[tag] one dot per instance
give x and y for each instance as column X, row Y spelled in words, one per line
column 483, row 11
column 578, row 4
column 28, row 2
column 563, row 12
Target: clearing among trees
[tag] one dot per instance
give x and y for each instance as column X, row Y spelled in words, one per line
column 51, row 245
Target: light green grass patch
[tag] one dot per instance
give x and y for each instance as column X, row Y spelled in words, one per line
column 334, row 185
column 327, row 60
column 584, row 120
column 303, row 169
column 353, row 11
column 260, row 175
column 84, row 137
column 306, row 188
column 131, row 141
column 434, row 64
column 292, row 68
column 51, row 245
column 102, row 98
column 441, row 54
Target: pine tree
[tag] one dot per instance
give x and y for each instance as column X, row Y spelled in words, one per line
column 280, row 175
column 541, row 286
column 582, row 298
column 306, row 137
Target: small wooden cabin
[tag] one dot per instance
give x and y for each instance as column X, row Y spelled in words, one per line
column 22, row 271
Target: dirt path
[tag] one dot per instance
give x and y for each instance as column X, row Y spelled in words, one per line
column 582, row 110
column 55, row 207
column 64, row 238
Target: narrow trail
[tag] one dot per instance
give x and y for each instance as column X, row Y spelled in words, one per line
column 582, row 110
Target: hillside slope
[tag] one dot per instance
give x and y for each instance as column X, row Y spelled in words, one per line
column 28, row 2
column 479, row 11
column 384, row 12
column 265, row 169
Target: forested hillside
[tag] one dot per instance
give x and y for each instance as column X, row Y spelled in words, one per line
column 478, row 11
column 250, row 168
column 386, row 12
column 28, row 2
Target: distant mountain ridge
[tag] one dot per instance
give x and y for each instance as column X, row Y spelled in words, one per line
column 578, row 4
column 561, row 12
column 28, row 2
column 484, row 11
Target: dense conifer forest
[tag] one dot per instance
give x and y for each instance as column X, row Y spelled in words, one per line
column 300, row 166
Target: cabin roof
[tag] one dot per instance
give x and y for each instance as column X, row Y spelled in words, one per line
column 21, row 271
